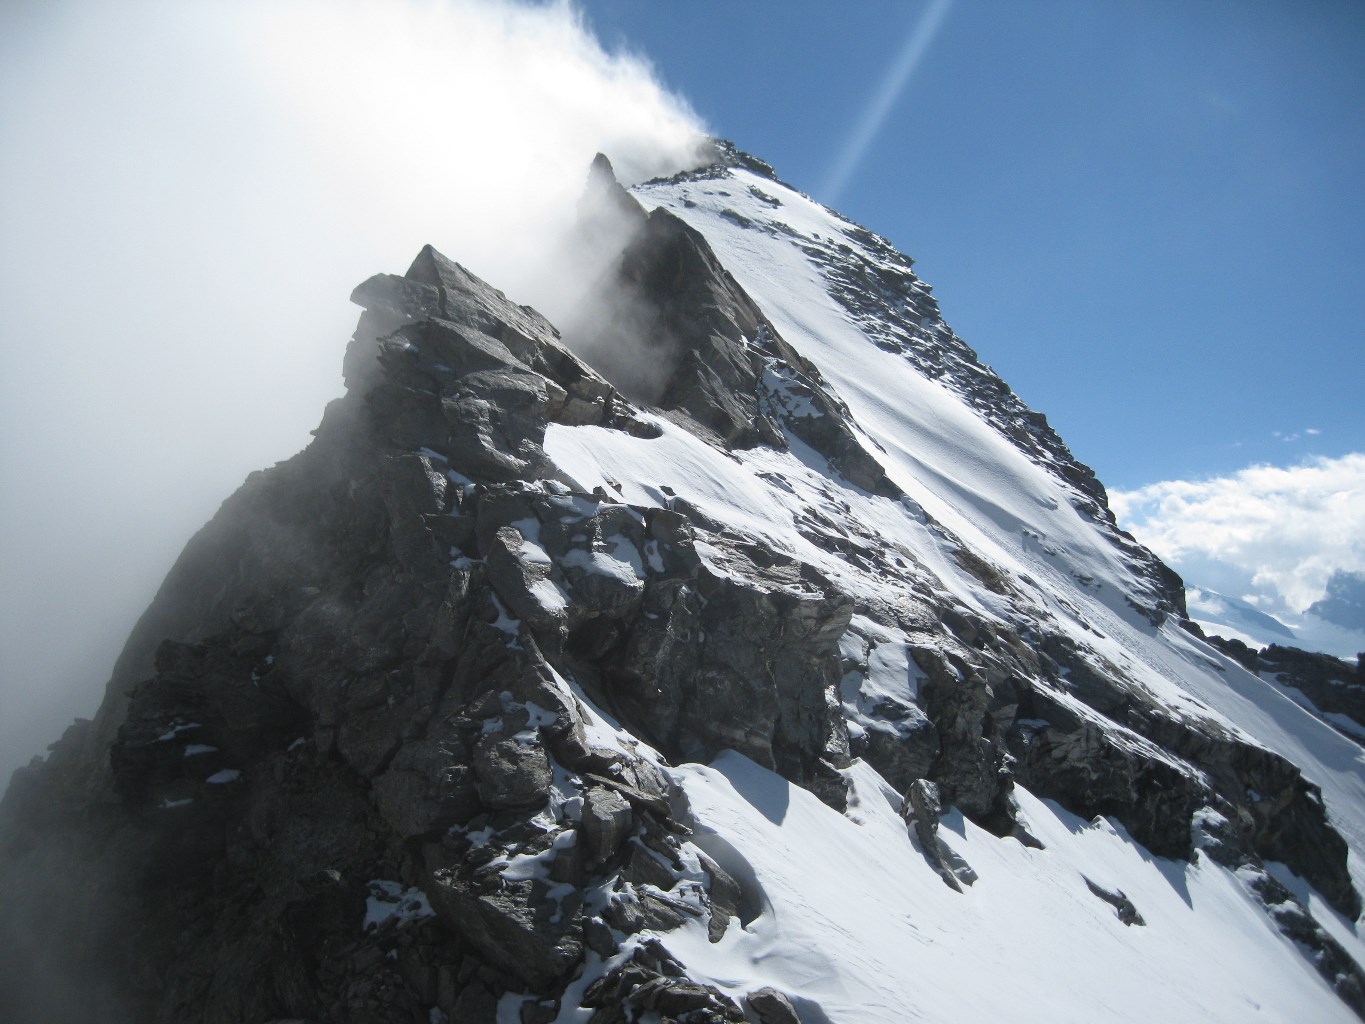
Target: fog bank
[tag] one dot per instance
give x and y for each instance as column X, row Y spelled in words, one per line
column 188, row 193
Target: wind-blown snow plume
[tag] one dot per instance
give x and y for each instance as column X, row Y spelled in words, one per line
column 489, row 112
column 187, row 192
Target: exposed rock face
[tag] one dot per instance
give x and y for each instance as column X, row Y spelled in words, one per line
column 361, row 672
column 684, row 337
column 1332, row 687
column 356, row 764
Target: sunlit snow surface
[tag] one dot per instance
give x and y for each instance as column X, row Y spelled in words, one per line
column 856, row 921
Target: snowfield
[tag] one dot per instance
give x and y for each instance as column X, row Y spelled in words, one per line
column 855, row 921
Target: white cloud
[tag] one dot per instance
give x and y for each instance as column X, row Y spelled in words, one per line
column 1268, row 534
column 1295, row 435
column 470, row 125
column 188, row 194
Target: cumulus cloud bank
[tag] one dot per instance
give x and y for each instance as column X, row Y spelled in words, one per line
column 188, row 192
column 1271, row 535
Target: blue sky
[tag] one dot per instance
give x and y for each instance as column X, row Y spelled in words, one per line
column 1149, row 218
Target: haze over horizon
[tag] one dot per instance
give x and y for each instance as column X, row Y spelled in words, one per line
column 190, row 194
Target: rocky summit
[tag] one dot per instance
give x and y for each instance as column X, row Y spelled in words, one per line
column 746, row 651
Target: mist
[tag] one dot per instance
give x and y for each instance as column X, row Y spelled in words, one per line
column 604, row 315
column 188, row 194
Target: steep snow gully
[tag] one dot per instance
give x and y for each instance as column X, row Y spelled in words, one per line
column 740, row 648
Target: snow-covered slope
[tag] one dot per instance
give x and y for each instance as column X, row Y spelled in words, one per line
column 959, row 467
column 857, row 920
column 1235, row 619
column 855, row 923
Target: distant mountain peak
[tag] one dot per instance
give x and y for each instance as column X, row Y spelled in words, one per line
column 1344, row 602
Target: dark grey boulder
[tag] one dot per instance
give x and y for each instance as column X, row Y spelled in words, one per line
column 1123, row 906
column 606, row 823
column 921, row 808
column 772, row 1006
column 530, row 939
column 510, row 772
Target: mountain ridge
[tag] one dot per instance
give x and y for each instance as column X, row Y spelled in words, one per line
column 499, row 616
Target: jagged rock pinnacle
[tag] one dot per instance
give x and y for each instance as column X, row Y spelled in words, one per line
column 606, row 211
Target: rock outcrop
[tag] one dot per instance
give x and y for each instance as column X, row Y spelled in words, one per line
column 1329, row 687
column 363, row 689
